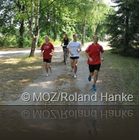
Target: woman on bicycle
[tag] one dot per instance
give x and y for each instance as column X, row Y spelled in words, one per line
column 66, row 41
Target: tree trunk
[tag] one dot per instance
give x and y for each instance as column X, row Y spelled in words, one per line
column 34, row 41
column 22, row 26
column 126, row 36
column 55, row 26
column 97, row 29
column 83, row 30
column 55, row 33
column 126, row 43
column 36, row 30
column 127, row 40
column 21, row 30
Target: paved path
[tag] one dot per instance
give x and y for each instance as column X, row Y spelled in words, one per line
column 26, row 51
column 18, row 53
column 68, row 90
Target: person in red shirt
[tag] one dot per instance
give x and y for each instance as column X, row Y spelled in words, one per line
column 94, row 61
column 47, row 50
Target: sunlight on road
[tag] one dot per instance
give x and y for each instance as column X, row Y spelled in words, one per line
column 7, row 54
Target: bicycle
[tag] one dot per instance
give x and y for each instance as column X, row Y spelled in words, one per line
column 66, row 54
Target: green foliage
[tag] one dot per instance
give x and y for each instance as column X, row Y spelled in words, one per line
column 93, row 14
column 27, row 41
column 57, row 17
column 123, row 27
column 7, row 41
column 7, row 36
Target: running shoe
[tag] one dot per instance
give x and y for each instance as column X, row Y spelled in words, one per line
column 94, row 87
column 74, row 75
column 46, row 75
column 89, row 78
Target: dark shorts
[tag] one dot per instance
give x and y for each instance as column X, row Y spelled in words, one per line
column 92, row 68
column 64, row 47
column 74, row 58
column 47, row 60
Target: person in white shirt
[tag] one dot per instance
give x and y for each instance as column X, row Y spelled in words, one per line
column 74, row 47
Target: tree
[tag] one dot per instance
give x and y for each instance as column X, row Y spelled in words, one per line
column 13, row 13
column 123, row 26
column 21, row 8
column 58, row 18
column 93, row 13
column 53, row 18
column 33, row 14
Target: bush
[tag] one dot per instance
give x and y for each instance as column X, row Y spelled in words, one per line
column 42, row 40
column 8, row 41
column 27, row 41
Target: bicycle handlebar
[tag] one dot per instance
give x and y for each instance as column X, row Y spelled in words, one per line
column 65, row 46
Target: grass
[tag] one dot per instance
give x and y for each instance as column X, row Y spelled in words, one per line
column 16, row 73
column 120, row 74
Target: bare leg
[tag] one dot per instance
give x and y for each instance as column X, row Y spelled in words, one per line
column 46, row 68
column 91, row 74
column 95, row 76
column 63, row 56
column 72, row 63
column 75, row 65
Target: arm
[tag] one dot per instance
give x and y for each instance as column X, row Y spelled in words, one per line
column 69, row 39
column 41, row 53
column 79, row 50
column 102, row 53
column 69, row 49
column 52, row 52
column 42, row 50
column 62, row 41
column 87, row 54
column 52, row 49
column 102, row 56
column 90, row 59
column 70, row 52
